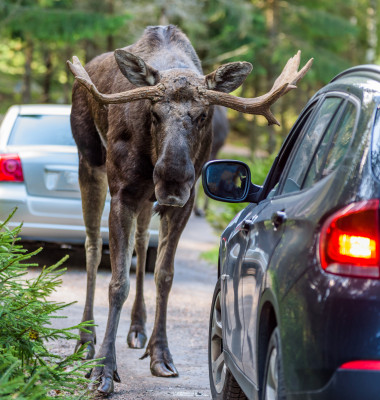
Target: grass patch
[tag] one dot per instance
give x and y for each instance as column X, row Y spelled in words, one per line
column 211, row 256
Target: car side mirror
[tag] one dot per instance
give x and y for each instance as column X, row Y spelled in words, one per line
column 229, row 181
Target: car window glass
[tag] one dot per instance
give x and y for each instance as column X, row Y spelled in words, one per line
column 37, row 130
column 316, row 165
column 375, row 149
column 309, row 144
column 271, row 185
column 341, row 140
column 333, row 147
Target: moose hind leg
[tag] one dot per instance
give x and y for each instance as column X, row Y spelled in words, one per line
column 93, row 185
column 137, row 335
column 173, row 221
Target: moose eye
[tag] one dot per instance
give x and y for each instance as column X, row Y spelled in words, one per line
column 202, row 117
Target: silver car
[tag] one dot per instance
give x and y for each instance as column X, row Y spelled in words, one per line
column 39, row 176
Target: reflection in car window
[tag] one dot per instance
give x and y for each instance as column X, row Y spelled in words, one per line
column 309, row 144
column 37, row 130
column 271, row 185
column 332, row 149
column 375, row 150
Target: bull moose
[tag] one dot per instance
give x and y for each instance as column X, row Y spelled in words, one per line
column 148, row 135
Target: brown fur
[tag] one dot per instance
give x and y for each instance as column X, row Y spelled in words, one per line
column 147, row 150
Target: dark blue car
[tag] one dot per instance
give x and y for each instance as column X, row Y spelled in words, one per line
column 296, row 309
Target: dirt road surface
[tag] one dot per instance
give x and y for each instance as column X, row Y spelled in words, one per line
column 187, row 323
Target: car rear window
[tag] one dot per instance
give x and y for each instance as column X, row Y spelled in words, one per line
column 37, row 130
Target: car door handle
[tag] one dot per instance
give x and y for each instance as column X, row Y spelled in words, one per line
column 278, row 218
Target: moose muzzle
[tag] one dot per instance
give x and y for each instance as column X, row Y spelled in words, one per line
column 173, row 179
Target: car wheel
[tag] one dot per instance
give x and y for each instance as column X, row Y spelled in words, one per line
column 222, row 383
column 151, row 256
column 273, row 384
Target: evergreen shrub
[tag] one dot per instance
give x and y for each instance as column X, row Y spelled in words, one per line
column 28, row 369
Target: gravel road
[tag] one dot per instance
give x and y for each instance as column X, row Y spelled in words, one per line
column 188, row 314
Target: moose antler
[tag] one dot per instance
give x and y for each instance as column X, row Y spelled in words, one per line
column 261, row 105
column 146, row 92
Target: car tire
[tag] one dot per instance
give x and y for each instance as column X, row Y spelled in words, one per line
column 273, row 383
column 222, row 383
column 151, row 257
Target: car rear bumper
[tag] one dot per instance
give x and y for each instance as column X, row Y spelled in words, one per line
column 50, row 219
column 346, row 385
column 327, row 321
column 43, row 218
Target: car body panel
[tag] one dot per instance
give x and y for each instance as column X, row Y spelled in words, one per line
column 324, row 320
column 262, row 238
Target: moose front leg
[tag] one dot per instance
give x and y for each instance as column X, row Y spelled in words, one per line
column 137, row 336
column 173, row 221
column 122, row 224
column 93, row 185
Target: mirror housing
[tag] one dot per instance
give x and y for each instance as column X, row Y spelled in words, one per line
column 229, row 181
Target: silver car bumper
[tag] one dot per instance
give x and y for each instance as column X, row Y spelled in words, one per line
column 53, row 219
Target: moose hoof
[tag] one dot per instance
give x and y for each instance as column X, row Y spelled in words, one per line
column 136, row 339
column 104, row 384
column 90, row 349
column 163, row 369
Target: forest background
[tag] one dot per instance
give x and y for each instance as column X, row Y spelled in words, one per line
column 38, row 36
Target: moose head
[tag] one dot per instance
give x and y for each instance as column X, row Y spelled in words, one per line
column 180, row 112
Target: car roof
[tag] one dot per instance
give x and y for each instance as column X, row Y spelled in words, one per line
column 366, row 69
column 43, row 109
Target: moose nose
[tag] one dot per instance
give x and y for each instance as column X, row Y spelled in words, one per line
column 173, row 185
column 180, row 174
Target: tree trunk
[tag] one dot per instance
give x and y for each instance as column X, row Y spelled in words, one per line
column 110, row 38
column 371, row 32
column 27, row 81
column 69, row 78
column 163, row 20
column 272, row 21
column 48, row 76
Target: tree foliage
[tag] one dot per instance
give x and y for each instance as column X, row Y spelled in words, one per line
column 28, row 368
column 37, row 36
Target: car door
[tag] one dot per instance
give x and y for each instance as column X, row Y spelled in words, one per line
column 268, row 227
column 232, row 288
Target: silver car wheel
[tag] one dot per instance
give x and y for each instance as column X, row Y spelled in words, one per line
column 271, row 387
column 216, row 346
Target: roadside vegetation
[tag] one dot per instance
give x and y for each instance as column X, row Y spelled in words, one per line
column 29, row 370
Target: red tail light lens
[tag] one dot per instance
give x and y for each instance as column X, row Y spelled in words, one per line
column 10, row 168
column 369, row 365
column 349, row 242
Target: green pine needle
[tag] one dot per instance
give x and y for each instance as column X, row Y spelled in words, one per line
column 28, row 369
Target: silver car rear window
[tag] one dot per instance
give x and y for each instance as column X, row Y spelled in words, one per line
column 37, row 130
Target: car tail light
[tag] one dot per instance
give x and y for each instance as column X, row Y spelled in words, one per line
column 369, row 365
column 10, row 168
column 349, row 243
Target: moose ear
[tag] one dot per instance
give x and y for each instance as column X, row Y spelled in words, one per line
column 135, row 69
column 228, row 77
